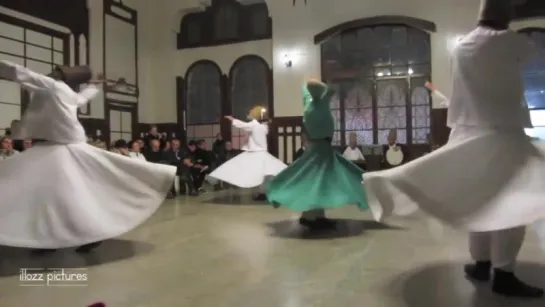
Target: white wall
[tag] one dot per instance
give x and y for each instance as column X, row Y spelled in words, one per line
column 294, row 29
column 293, row 32
column 146, row 19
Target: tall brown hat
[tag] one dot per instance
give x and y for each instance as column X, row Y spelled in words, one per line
column 74, row 75
column 497, row 11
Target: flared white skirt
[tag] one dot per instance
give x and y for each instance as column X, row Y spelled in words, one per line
column 56, row 196
column 248, row 169
column 479, row 181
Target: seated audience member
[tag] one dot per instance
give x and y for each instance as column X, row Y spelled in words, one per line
column 195, row 165
column 6, row 148
column 153, row 134
column 142, row 144
column 228, row 153
column 177, row 156
column 204, row 156
column 27, row 144
column 17, row 135
column 301, row 150
column 167, row 146
column 218, row 148
column 353, row 153
column 154, row 154
column 135, row 150
column 120, row 147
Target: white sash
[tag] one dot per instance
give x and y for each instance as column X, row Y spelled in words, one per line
column 394, row 155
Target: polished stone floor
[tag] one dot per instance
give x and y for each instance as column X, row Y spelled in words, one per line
column 221, row 250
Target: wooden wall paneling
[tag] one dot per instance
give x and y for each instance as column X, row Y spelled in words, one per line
column 180, row 108
column 226, row 107
column 287, row 132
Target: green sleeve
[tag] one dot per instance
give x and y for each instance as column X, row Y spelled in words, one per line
column 329, row 93
column 307, row 98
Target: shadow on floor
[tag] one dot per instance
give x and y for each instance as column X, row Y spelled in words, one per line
column 444, row 285
column 235, row 199
column 13, row 259
column 345, row 228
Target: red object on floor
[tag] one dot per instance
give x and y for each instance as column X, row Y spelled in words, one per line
column 97, row 305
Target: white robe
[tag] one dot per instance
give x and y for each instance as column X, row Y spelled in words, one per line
column 251, row 168
column 64, row 192
column 489, row 176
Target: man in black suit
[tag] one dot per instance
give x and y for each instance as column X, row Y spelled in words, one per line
column 194, row 161
column 155, row 155
column 176, row 156
column 153, row 134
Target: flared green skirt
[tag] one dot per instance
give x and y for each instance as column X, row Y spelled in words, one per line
column 320, row 178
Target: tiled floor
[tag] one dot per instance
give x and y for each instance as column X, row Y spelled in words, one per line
column 220, row 251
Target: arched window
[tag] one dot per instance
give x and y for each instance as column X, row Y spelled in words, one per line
column 534, row 83
column 203, row 101
column 379, row 74
column 249, row 79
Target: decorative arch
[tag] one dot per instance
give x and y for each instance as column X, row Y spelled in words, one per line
column 249, row 85
column 379, row 71
column 411, row 22
column 203, row 100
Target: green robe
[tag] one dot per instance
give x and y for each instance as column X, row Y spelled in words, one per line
column 321, row 177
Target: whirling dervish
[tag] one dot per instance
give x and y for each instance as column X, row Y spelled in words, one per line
column 75, row 194
column 256, row 166
column 321, row 178
column 488, row 179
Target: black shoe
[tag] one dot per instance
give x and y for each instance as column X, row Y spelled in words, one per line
column 306, row 222
column 41, row 252
column 260, row 197
column 84, row 249
column 479, row 271
column 193, row 193
column 507, row 284
column 325, row 223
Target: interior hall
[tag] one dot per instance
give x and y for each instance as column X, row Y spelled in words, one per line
column 174, row 69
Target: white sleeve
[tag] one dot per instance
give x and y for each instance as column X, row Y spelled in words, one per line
column 361, row 157
column 242, row 125
column 441, row 99
column 24, row 76
column 345, row 153
column 90, row 92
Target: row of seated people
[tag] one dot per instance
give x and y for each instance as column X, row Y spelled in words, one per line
column 10, row 147
column 194, row 161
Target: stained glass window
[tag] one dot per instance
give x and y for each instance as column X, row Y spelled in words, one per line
column 203, row 99
column 420, row 104
column 534, row 71
column 336, row 112
column 249, row 87
column 382, row 70
column 358, row 112
column 392, row 108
